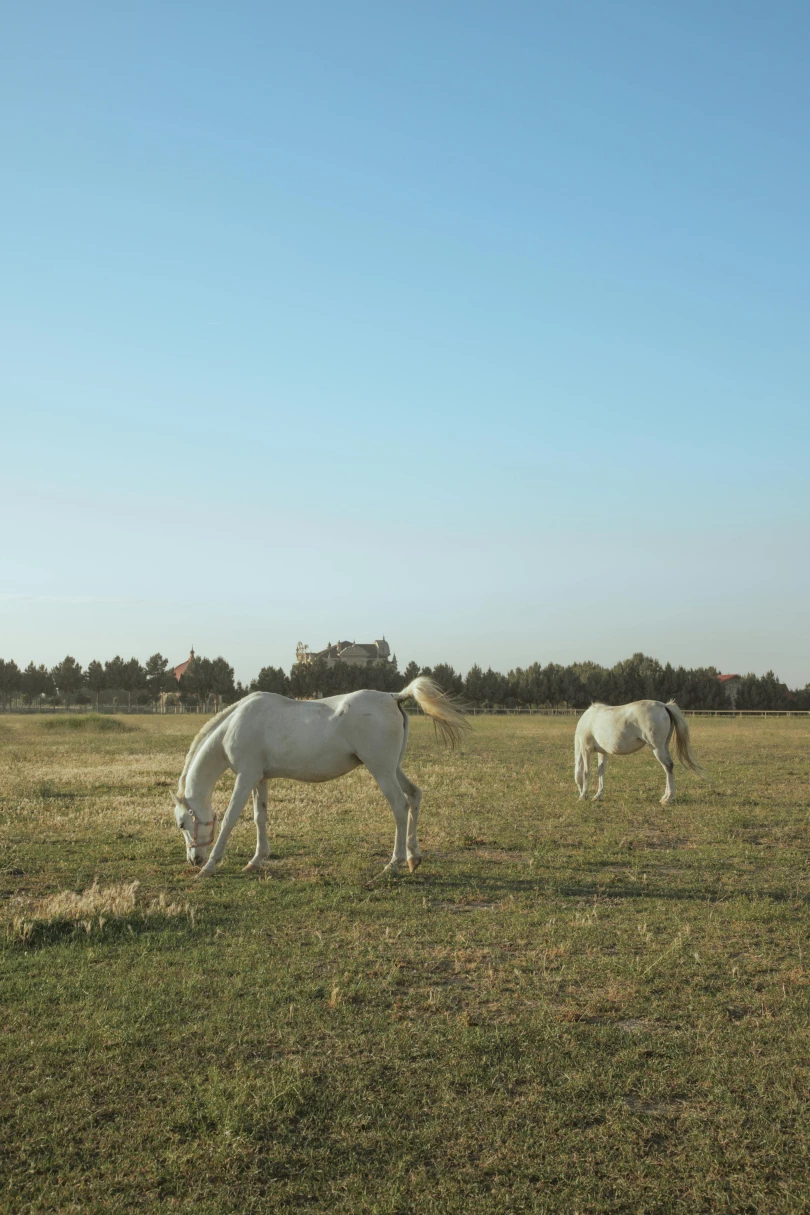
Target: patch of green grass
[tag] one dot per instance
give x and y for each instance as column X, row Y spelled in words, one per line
column 569, row 1007
column 88, row 723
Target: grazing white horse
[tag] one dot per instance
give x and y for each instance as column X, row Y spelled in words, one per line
column 623, row 729
column 265, row 736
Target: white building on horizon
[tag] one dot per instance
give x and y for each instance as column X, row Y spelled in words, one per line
column 355, row 653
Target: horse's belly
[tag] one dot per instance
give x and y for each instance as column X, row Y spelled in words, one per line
column 312, row 769
column 619, row 742
column 627, row 747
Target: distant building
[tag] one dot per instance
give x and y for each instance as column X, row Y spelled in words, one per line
column 181, row 670
column 355, row 653
column 731, row 686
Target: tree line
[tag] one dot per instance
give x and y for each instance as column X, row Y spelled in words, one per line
column 209, row 682
column 575, row 686
column 121, row 682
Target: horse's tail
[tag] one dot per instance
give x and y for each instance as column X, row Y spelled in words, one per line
column 682, row 740
column 197, row 742
column 447, row 716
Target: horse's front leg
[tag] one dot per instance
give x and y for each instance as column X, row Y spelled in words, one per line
column 241, row 792
column 260, row 819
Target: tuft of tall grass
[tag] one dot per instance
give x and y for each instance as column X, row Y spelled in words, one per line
column 90, row 723
column 90, row 910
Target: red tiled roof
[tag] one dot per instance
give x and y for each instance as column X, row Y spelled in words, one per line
column 725, row 678
column 181, row 670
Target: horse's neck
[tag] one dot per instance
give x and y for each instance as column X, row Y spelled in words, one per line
column 206, row 768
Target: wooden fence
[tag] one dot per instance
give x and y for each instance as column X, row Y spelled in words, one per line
column 149, row 709
column 473, row 710
column 566, row 711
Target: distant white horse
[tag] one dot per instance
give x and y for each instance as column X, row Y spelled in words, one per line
column 623, row 729
column 265, row 736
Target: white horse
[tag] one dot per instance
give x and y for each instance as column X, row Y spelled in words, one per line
column 265, row 736
column 623, row 729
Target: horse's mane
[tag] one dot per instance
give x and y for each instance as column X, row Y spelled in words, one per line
column 198, row 739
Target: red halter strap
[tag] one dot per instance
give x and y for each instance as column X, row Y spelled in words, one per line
column 197, row 824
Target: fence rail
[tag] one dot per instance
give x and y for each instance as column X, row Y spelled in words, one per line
column 747, row 712
column 150, row 710
column 562, row 711
column 502, row 711
column 414, row 710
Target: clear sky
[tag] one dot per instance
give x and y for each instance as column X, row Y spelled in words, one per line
column 482, row 326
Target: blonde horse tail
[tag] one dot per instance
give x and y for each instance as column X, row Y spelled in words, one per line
column 198, row 740
column 682, row 741
column 447, row 716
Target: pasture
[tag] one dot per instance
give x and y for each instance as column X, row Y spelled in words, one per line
column 571, row 1007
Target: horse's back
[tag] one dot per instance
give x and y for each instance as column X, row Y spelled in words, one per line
column 364, row 699
column 622, row 729
column 371, row 722
column 270, row 706
column 312, row 740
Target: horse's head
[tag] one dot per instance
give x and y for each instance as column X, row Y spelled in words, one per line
column 198, row 835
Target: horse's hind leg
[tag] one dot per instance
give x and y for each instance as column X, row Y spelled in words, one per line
column 414, row 795
column 665, row 760
column 397, row 800
column 260, row 819
column 582, row 769
column 600, row 772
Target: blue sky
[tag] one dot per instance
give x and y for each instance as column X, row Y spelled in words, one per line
column 480, row 326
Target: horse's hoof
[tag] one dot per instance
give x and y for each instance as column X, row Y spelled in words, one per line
column 206, row 871
column 414, row 862
column 667, row 801
column 255, row 865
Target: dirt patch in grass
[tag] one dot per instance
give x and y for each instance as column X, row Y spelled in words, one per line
column 652, row 1108
column 469, row 905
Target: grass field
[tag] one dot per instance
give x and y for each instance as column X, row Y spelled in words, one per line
column 568, row 1008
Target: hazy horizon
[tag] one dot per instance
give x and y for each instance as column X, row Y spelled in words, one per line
column 281, row 655
column 485, row 329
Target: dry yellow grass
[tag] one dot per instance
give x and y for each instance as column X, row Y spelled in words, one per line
column 25, row 918
column 571, row 1006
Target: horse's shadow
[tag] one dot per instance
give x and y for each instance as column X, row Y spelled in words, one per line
column 489, row 883
column 493, row 888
